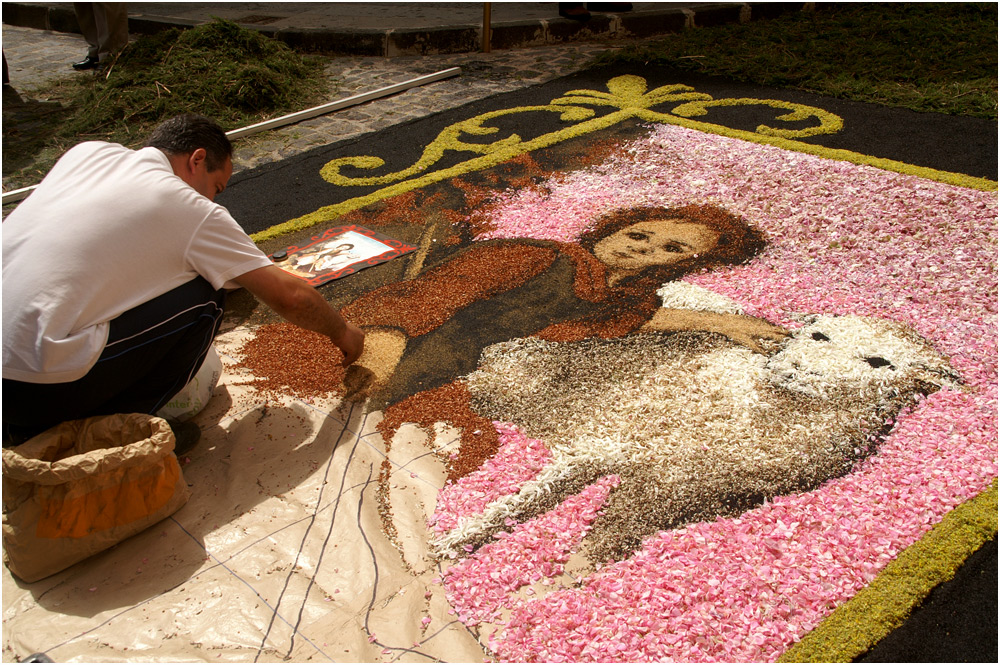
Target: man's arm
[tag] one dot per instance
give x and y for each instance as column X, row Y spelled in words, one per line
column 302, row 305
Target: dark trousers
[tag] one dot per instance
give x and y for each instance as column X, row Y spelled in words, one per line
column 153, row 350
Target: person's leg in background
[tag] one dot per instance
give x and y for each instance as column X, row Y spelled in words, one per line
column 580, row 11
column 105, row 28
column 575, row 11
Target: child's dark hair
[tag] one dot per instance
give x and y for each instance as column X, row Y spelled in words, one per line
column 738, row 242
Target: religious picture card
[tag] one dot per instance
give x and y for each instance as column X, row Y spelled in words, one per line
column 337, row 252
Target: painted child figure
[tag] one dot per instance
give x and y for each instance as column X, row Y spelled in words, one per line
column 425, row 333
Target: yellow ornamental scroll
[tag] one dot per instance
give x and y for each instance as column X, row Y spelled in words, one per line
column 829, row 123
column 629, row 98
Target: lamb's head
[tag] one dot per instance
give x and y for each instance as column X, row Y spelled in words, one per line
column 856, row 356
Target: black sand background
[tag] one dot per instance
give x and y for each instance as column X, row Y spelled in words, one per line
column 268, row 195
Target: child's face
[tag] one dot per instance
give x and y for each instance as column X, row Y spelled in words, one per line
column 655, row 242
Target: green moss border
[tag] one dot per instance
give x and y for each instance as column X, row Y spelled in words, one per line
column 882, row 606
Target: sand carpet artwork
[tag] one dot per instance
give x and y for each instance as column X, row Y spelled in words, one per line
column 666, row 378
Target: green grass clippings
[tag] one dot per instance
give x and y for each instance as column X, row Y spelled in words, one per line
column 236, row 76
column 939, row 57
column 220, row 70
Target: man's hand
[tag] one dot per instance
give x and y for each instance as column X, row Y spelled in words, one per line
column 352, row 343
column 383, row 349
column 302, row 305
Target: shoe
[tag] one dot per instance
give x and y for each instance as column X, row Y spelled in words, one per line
column 610, row 6
column 186, row 436
column 574, row 12
column 90, row 62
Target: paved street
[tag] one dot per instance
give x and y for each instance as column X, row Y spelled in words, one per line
column 413, row 28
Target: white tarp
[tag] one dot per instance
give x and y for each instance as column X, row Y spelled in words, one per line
column 279, row 555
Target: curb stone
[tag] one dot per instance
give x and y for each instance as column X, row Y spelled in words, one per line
column 437, row 40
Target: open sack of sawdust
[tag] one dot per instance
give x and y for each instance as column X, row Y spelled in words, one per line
column 84, row 486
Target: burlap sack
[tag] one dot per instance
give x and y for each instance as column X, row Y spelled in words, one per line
column 84, row 486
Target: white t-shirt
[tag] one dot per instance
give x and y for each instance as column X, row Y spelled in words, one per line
column 108, row 229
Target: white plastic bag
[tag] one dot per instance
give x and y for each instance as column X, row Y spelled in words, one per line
column 195, row 395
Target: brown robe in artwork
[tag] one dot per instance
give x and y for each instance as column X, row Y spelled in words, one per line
column 492, row 292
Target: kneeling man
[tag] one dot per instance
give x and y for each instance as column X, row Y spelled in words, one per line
column 115, row 272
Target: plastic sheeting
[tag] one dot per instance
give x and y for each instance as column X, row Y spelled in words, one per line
column 279, row 554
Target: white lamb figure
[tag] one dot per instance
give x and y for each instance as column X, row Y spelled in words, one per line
column 695, row 426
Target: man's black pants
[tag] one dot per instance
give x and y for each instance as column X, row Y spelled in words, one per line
column 153, row 351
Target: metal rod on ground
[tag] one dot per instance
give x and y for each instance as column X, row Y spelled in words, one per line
column 487, row 10
column 18, row 194
column 343, row 103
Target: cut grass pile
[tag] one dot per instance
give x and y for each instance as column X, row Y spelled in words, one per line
column 221, row 70
column 939, row 57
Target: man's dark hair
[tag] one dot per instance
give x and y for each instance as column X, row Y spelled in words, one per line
column 183, row 134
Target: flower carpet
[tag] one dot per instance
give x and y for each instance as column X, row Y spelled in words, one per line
column 555, row 455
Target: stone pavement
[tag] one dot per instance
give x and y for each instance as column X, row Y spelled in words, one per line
column 38, row 56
